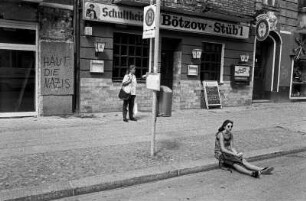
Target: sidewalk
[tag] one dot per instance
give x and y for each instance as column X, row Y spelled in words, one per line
column 53, row 157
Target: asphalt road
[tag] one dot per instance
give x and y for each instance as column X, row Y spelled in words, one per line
column 288, row 182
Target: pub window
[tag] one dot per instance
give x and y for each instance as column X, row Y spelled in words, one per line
column 211, row 61
column 130, row 49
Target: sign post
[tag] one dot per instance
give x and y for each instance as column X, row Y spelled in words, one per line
column 148, row 19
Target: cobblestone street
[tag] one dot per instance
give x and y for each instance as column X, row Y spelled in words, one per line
column 48, row 150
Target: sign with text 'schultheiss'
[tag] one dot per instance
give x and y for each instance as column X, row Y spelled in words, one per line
column 133, row 16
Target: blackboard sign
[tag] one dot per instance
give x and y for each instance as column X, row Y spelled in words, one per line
column 211, row 93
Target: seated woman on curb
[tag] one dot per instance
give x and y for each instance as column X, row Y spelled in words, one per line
column 227, row 154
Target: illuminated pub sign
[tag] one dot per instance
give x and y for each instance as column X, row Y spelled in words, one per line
column 133, row 16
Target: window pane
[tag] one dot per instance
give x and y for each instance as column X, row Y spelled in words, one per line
column 145, row 51
column 131, row 61
column 138, row 62
column 17, row 81
column 138, row 51
column 132, row 40
column 116, row 61
column 145, row 62
column 123, row 50
column 138, row 73
column 116, row 39
column 123, row 61
column 116, row 49
column 17, row 36
column 124, row 39
column 131, row 50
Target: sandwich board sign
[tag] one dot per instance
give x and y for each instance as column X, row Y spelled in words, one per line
column 149, row 22
column 212, row 94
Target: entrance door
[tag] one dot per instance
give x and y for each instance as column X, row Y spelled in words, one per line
column 264, row 66
column 17, row 70
column 169, row 46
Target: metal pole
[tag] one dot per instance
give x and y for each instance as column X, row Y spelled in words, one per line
column 150, row 55
column 151, row 48
column 155, row 70
column 76, row 98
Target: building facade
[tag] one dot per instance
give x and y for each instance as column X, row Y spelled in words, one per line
column 58, row 57
column 36, row 57
column 222, row 30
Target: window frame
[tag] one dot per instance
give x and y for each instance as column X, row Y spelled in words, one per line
column 117, row 55
column 23, row 47
column 221, row 75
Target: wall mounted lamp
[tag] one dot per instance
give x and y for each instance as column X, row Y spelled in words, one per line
column 244, row 57
column 88, row 31
column 196, row 53
column 100, row 46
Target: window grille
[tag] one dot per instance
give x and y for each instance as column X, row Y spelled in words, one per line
column 211, row 61
column 130, row 49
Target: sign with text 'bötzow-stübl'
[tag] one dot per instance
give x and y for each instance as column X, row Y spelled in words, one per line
column 134, row 16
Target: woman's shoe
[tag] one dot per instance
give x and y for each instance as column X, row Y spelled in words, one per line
column 133, row 119
column 256, row 174
column 125, row 120
column 267, row 170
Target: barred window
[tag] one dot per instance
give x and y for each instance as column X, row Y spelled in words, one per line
column 130, row 49
column 211, row 61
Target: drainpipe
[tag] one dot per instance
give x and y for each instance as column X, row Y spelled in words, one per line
column 76, row 97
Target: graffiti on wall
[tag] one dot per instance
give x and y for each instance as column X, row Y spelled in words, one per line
column 57, row 68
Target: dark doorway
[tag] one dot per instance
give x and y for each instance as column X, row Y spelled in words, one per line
column 263, row 72
column 169, row 46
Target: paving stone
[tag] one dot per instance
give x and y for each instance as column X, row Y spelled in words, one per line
column 49, row 150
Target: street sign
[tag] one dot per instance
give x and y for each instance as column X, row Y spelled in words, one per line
column 149, row 22
column 153, row 81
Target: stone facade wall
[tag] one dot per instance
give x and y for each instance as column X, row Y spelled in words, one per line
column 101, row 95
column 235, row 96
column 245, row 7
column 191, row 94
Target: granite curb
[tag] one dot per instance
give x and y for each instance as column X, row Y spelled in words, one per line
column 108, row 182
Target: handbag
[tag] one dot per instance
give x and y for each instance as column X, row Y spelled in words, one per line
column 123, row 95
column 125, row 92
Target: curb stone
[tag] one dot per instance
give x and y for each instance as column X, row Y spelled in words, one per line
column 108, row 182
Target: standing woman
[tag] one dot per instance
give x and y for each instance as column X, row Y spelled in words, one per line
column 129, row 81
